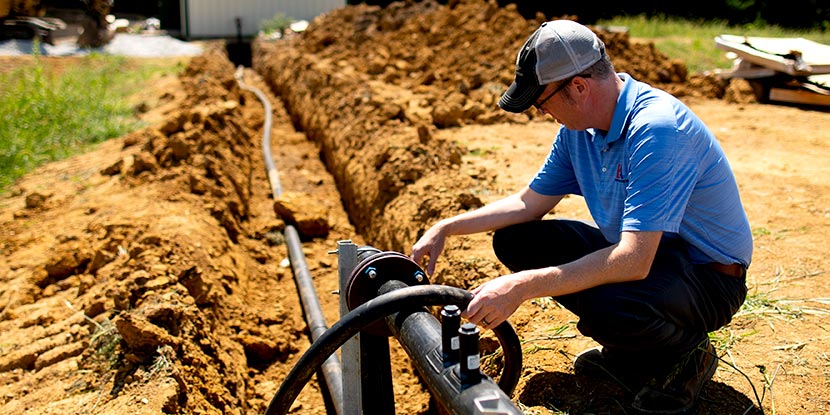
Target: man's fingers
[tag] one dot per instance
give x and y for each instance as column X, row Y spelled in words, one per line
column 472, row 308
column 417, row 254
column 431, row 265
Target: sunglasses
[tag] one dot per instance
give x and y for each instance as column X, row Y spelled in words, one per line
column 538, row 105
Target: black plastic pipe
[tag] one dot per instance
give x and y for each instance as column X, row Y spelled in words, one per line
column 372, row 311
column 460, row 389
column 273, row 174
column 511, row 348
column 331, row 368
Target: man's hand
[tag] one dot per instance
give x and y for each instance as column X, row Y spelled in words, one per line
column 431, row 245
column 519, row 207
column 494, row 302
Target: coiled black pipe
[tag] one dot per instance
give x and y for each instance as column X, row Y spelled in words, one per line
column 511, row 347
column 375, row 309
column 313, row 311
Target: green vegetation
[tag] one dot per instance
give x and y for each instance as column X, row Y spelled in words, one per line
column 694, row 41
column 49, row 112
column 760, row 232
column 105, row 340
column 161, row 364
column 277, row 24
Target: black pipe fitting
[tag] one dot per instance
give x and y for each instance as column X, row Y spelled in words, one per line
column 375, row 268
column 450, row 323
column 469, row 356
column 420, row 334
column 481, row 396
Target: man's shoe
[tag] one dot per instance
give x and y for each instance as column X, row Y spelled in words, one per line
column 678, row 392
column 600, row 362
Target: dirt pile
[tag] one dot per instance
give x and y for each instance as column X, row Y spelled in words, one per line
column 373, row 86
column 465, row 49
column 137, row 280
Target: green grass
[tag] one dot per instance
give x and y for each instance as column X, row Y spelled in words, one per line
column 48, row 115
column 693, row 41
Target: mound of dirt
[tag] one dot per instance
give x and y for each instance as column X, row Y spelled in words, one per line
column 136, row 279
column 372, row 86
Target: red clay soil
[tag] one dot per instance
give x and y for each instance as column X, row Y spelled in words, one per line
column 151, row 276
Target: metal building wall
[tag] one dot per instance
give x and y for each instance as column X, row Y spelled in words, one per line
column 217, row 18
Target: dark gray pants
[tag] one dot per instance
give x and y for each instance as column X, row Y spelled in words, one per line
column 660, row 317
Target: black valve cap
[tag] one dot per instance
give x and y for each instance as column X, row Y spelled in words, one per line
column 470, row 359
column 450, row 323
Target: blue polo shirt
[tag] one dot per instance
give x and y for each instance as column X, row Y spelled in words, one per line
column 658, row 168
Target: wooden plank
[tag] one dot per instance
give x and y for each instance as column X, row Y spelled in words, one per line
column 746, row 73
column 766, row 52
column 797, row 96
column 823, row 80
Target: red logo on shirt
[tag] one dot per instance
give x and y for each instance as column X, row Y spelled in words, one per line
column 619, row 177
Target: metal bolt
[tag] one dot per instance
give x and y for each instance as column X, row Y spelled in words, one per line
column 419, row 276
column 372, row 272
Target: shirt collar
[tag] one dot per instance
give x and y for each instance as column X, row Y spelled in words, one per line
column 625, row 102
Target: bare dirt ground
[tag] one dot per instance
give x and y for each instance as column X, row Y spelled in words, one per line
column 150, row 275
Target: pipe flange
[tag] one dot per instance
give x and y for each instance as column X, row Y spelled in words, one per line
column 367, row 277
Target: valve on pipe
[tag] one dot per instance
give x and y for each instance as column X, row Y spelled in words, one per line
column 373, row 269
column 450, row 324
column 401, row 303
column 445, row 353
column 469, row 357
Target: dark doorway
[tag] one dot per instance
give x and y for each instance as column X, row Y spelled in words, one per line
column 239, row 52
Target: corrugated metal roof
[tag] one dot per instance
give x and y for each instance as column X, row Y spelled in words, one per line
column 218, row 19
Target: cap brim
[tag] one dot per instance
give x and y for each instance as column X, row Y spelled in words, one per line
column 520, row 96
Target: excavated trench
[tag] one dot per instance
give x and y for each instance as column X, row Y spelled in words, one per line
column 374, row 87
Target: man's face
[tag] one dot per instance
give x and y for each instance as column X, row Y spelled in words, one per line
column 557, row 103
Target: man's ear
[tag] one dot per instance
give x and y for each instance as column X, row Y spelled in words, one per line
column 580, row 83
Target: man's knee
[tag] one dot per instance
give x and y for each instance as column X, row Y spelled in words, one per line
column 507, row 245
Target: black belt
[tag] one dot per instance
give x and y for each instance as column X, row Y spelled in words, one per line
column 733, row 270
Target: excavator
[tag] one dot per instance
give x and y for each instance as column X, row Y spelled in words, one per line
column 26, row 19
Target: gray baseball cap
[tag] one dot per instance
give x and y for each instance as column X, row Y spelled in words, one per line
column 557, row 50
